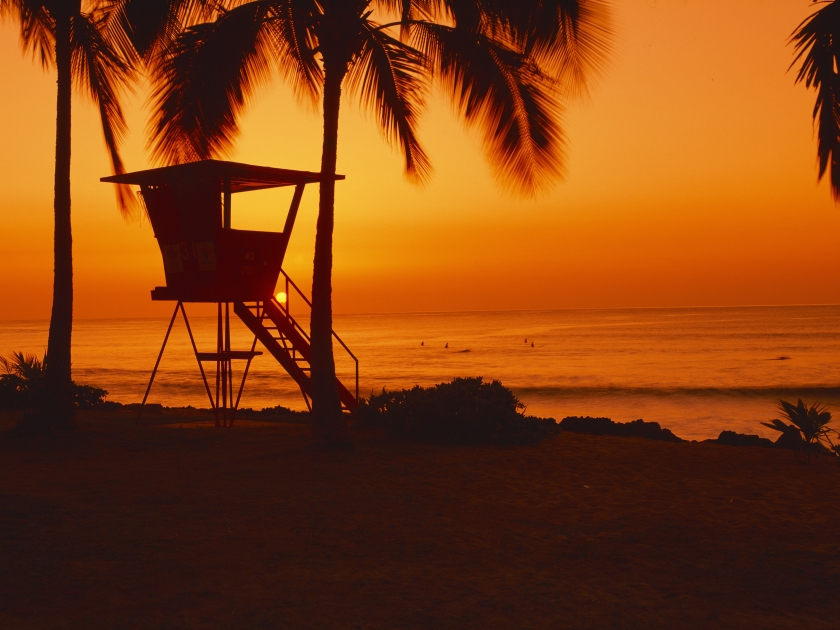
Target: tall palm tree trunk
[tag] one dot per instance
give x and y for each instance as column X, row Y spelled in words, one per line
column 327, row 423
column 59, row 404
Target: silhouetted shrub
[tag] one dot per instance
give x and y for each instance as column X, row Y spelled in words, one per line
column 88, row 397
column 731, row 438
column 278, row 414
column 605, row 426
column 21, row 383
column 465, row 411
column 149, row 409
column 21, row 386
column 11, row 391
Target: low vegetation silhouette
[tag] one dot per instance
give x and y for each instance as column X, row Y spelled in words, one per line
column 806, row 428
column 605, row 426
column 465, row 411
column 23, row 384
column 733, row 438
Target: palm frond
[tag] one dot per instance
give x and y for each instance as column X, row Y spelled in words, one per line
column 817, row 45
column 403, row 8
column 295, row 55
column 570, row 39
column 25, row 366
column 408, row 11
column 778, row 425
column 503, row 94
column 149, row 26
column 389, row 77
column 100, row 70
column 202, row 83
column 810, row 421
column 37, row 28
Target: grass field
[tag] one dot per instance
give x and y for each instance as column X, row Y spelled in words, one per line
column 172, row 524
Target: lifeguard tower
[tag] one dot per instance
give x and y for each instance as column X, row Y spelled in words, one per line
column 206, row 260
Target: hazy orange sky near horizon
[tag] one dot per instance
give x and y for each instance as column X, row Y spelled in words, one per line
column 691, row 181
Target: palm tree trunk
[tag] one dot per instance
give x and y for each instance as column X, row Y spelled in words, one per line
column 327, row 422
column 59, row 403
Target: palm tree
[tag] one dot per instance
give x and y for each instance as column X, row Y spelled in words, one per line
column 507, row 65
column 93, row 44
column 817, row 44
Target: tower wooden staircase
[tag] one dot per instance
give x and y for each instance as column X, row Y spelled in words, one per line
column 273, row 325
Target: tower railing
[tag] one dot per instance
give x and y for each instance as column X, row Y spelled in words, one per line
column 286, row 309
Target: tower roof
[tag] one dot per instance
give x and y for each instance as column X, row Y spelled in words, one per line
column 242, row 177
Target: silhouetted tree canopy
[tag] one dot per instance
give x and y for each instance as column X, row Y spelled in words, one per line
column 507, row 66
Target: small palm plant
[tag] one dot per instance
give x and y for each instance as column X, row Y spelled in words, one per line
column 21, row 379
column 23, row 384
column 809, row 424
column 27, row 367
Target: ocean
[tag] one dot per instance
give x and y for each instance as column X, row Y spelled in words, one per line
column 696, row 371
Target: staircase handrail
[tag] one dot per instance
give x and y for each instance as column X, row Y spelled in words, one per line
column 285, row 307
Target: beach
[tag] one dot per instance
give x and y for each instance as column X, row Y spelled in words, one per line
column 167, row 523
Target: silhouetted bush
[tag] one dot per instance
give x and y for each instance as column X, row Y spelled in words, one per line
column 11, row 391
column 605, row 426
column 88, row 397
column 149, row 409
column 465, row 411
column 277, row 414
column 731, row 438
column 21, row 386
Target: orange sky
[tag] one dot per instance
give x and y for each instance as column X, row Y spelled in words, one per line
column 691, row 181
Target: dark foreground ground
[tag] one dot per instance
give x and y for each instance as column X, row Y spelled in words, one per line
column 147, row 526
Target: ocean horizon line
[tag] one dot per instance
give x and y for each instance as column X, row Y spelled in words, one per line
column 474, row 311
